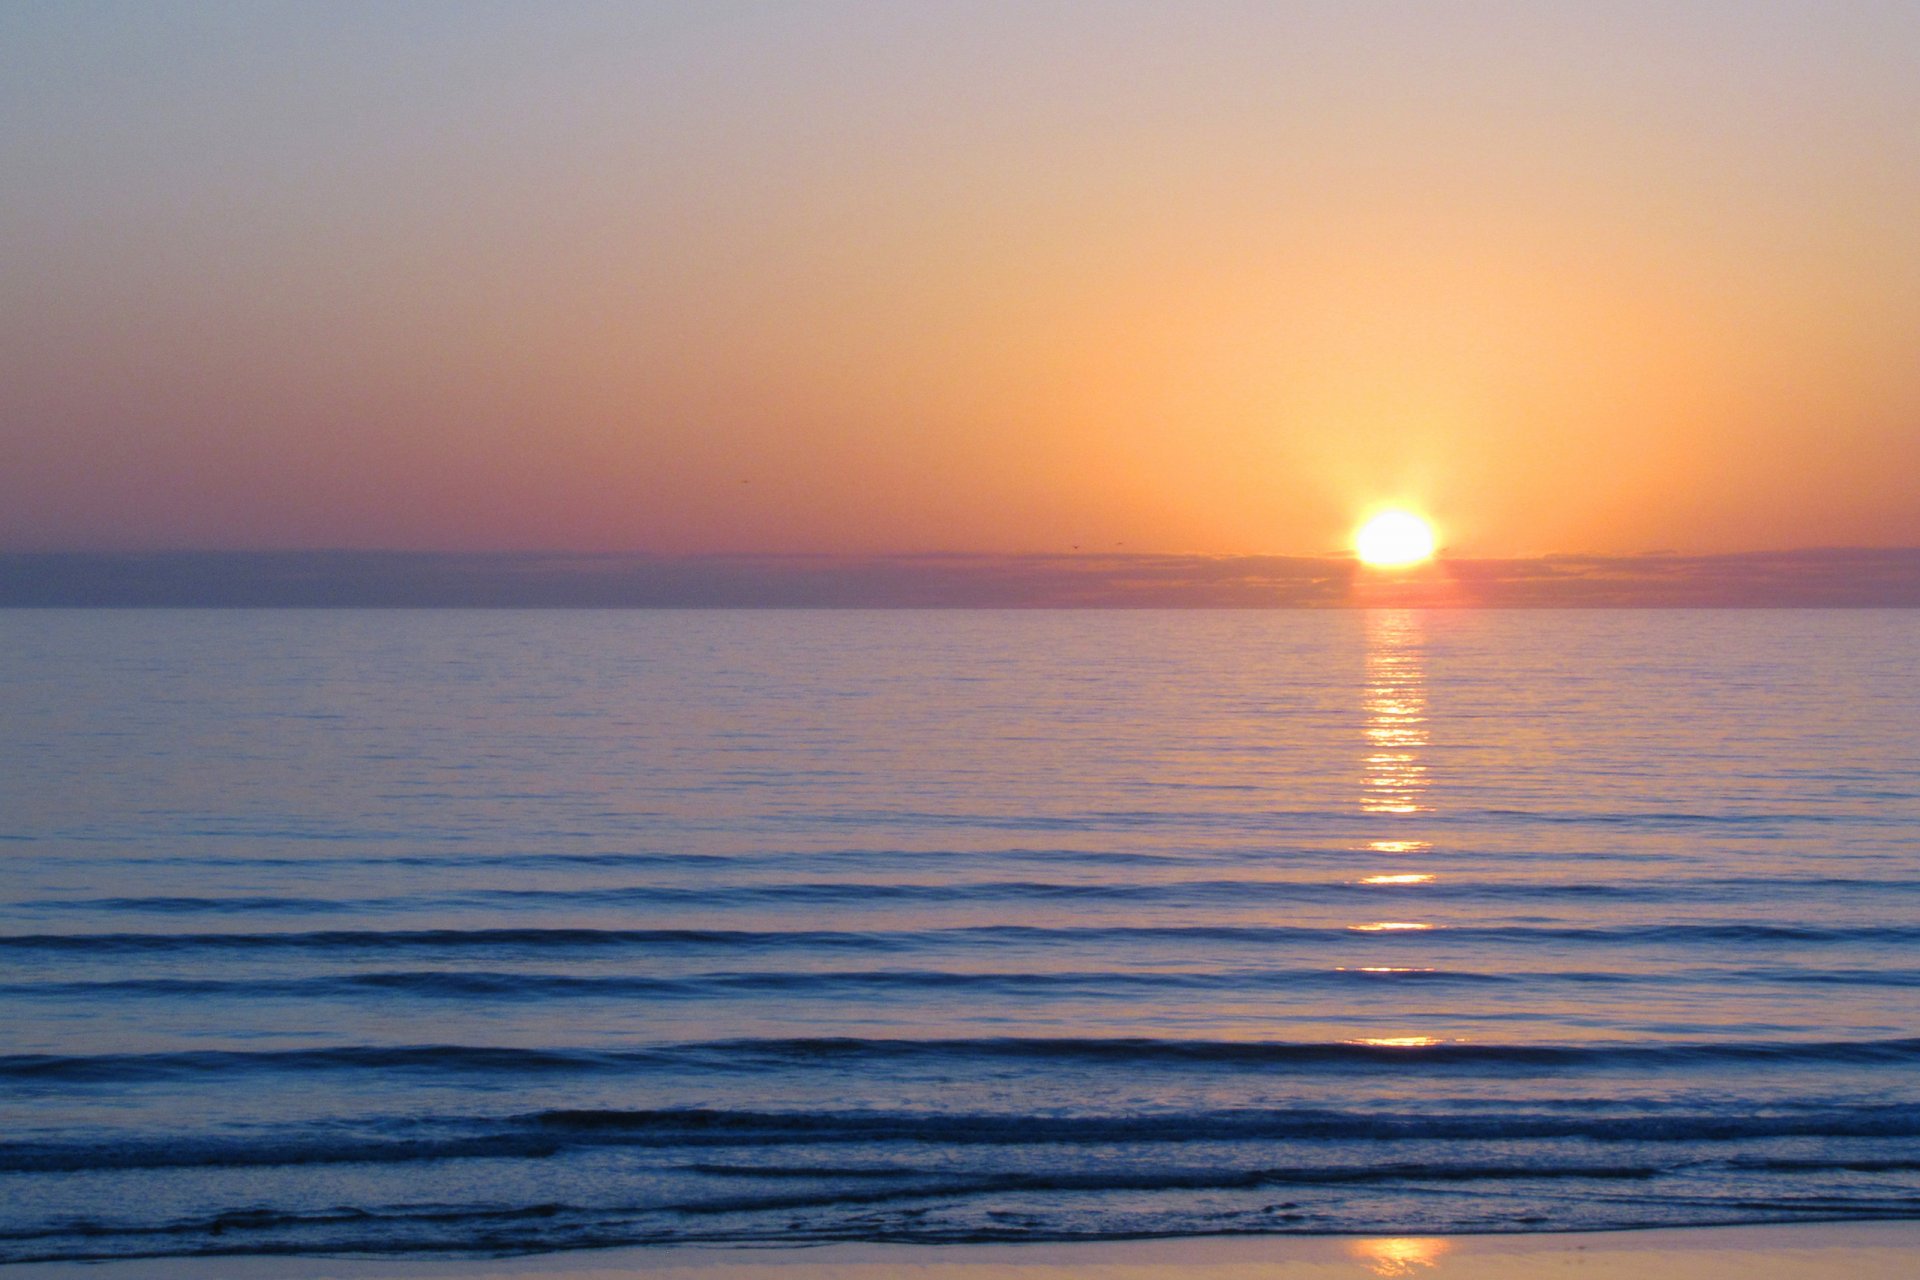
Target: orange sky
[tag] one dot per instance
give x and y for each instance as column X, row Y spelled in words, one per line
column 862, row 277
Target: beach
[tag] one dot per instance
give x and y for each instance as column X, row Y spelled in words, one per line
column 1824, row 1251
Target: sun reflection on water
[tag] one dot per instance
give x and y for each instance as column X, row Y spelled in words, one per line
column 1395, row 705
column 1398, row 1255
column 1393, row 786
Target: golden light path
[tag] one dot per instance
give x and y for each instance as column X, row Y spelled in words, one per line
column 1394, row 778
column 1394, row 538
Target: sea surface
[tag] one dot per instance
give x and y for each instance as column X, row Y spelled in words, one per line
column 393, row 932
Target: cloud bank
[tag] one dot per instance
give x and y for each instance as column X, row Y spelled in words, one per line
column 1828, row 577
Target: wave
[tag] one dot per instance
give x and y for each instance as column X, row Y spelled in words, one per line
column 582, row 939
column 759, row 1054
column 1212, row 1178
column 698, row 1126
column 349, row 940
column 1268, row 819
column 440, row 983
column 238, row 1221
column 539, row 1135
column 729, row 863
column 894, row 893
column 959, row 1210
column 437, row 983
column 755, row 984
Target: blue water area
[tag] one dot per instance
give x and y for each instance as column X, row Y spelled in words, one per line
column 430, row 932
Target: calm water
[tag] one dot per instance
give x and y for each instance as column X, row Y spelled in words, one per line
column 437, row 931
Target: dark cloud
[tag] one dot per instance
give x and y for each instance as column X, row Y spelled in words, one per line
column 1853, row 577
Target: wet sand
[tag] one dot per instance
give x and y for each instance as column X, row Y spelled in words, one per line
column 1827, row 1251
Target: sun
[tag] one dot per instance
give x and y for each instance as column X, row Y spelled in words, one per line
column 1394, row 538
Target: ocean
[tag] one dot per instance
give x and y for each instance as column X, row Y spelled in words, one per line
column 428, row 932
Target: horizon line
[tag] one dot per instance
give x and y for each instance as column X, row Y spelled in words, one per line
column 1809, row 577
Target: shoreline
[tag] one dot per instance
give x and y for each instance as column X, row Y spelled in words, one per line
column 1861, row 1250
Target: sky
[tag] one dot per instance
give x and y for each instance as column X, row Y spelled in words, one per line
column 876, row 279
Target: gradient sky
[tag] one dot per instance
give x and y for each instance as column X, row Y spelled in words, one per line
column 879, row 277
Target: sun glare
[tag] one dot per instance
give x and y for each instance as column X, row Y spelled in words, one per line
column 1394, row 538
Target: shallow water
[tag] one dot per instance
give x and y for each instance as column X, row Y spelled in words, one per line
column 398, row 931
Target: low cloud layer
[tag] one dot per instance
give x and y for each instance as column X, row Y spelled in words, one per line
column 1825, row 577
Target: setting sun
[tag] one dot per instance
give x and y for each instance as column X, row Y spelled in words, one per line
column 1394, row 538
